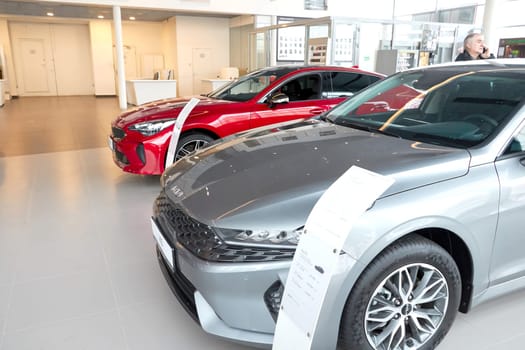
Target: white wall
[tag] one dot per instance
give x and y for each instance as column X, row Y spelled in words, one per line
column 9, row 71
column 72, row 56
column 146, row 38
column 102, row 57
column 370, row 36
column 200, row 33
column 169, row 44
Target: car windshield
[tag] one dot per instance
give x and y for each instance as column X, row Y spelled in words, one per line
column 248, row 86
column 445, row 106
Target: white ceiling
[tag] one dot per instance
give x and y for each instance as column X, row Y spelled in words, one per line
column 64, row 10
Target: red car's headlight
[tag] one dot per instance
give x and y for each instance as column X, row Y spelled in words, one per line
column 152, row 128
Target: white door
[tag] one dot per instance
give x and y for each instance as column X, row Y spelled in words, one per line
column 202, row 68
column 35, row 69
column 72, row 56
column 52, row 59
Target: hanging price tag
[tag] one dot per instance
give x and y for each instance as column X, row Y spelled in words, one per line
column 177, row 127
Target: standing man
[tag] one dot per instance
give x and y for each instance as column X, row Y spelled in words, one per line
column 474, row 48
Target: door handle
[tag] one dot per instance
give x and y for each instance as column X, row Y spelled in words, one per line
column 316, row 111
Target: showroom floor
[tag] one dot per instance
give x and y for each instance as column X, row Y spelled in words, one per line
column 77, row 261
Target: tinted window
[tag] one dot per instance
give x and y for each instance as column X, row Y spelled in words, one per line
column 305, row 87
column 343, row 84
column 517, row 144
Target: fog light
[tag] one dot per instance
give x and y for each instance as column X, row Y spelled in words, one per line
column 273, row 297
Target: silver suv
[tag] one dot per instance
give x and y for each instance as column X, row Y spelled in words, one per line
column 443, row 238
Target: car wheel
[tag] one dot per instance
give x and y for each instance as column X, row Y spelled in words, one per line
column 407, row 298
column 190, row 143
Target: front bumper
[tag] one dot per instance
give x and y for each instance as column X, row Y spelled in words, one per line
column 226, row 299
column 140, row 155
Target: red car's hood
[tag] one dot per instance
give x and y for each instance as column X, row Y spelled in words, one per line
column 168, row 108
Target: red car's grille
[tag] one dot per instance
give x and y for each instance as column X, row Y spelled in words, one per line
column 117, row 132
column 202, row 240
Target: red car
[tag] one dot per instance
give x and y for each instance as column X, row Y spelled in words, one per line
column 140, row 136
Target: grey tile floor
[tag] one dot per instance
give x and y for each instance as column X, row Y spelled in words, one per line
column 78, row 267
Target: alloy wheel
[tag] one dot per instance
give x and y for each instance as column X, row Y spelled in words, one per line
column 407, row 308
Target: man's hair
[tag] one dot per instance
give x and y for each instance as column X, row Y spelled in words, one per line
column 468, row 39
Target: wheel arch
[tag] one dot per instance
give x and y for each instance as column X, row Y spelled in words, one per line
column 449, row 240
column 459, row 251
column 442, row 238
column 188, row 132
column 204, row 131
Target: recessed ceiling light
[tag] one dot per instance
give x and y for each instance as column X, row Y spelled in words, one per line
column 131, row 18
column 50, row 14
column 100, row 16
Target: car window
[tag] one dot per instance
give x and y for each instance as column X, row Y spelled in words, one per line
column 446, row 107
column 305, row 87
column 248, row 86
column 344, row 84
column 517, row 144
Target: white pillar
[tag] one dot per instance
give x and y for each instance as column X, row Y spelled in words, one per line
column 121, row 75
column 490, row 24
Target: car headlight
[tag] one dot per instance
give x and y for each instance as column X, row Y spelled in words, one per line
column 268, row 238
column 151, row 128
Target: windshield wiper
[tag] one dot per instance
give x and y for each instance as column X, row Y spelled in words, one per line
column 440, row 140
column 366, row 127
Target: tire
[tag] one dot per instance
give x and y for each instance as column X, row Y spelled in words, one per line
column 190, row 143
column 378, row 311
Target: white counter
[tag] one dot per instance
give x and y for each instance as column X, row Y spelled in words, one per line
column 140, row 91
column 209, row 85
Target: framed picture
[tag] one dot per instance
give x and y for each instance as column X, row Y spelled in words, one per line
column 290, row 41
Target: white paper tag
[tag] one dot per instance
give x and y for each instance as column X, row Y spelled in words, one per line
column 318, row 253
column 177, row 127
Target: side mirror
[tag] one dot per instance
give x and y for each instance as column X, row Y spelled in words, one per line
column 278, row 98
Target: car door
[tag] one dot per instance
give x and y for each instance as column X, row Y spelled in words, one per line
column 509, row 258
column 305, row 101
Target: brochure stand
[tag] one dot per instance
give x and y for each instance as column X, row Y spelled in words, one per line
column 318, row 259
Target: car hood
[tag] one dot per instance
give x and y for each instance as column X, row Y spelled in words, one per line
column 274, row 176
column 168, row 109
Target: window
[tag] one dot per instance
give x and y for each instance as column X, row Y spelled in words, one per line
column 306, row 87
column 315, row 5
column 343, row 84
column 517, row 144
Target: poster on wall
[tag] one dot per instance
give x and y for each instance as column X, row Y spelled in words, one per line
column 290, row 42
column 317, row 51
column 344, row 44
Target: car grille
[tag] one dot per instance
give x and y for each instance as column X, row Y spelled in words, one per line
column 117, row 132
column 202, row 240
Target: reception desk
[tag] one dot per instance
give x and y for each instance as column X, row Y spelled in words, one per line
column 141, row 91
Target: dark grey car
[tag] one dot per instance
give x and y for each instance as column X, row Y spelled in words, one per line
column 444, row 237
